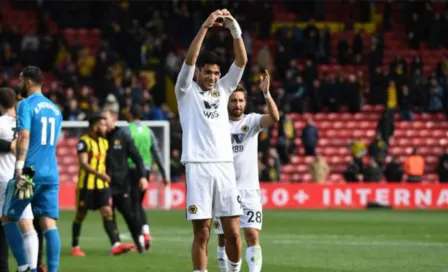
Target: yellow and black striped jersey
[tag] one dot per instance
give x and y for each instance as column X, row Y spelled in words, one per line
column 97, row 151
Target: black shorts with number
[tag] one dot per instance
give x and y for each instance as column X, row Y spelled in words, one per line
column 93, row 199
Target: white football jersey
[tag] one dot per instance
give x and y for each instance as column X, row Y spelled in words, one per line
column 204, row 117
column 245, row 150
column 7, row 160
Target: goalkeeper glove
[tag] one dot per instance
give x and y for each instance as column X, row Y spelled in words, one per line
column 24, row 184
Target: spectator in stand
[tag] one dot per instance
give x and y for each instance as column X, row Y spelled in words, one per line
column 416, row 65
column 323, row 45
column 8, row 59
column 358, row 47
column 392, row 97
column 378, row 82
column 86, row 65
column 386, row 126
column 372, row 172
column 310, row 137
column 352, row 173
column 405, row 105
column 73, row 112
column 442, row 167
column 414, row 167
column 415, row 31
column 394, row 171
column 353, row 94
column 435, row 95
column 330, row 93
column 343, row 50
column 378, row 150
column 319, row 169
column 358, row 150
column 271, row 171
column 435, row 35
column 285, row 140
column 264, row 59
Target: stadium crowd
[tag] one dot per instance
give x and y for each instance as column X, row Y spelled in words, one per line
column 137, row 36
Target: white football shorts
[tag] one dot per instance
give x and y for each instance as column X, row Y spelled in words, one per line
column 252, row 217
column 27, row 213
column 211, row 191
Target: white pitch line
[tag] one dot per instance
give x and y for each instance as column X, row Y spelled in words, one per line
column 363, row 243
column 347, row 240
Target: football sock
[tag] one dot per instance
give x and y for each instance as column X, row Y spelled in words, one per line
column 233, row 267
column 15, row 241
column 200, row 270
column 111, row 229
column 53, row 249
column 222, row 259
column 76, row 233
column 141, row 240
column 145, row 229
column 31, row 243
column 254, row 258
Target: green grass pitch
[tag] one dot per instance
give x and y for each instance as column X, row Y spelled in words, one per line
column 291, row 241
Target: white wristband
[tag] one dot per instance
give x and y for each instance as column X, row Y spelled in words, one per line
column 20, row 164
column 234, row 28
column 267, row 95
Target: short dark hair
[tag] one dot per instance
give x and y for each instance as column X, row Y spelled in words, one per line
column 208, row 57
column 7, row 98
column 241, row 90
column 95, row 118
column 136, row 111
column 34, row 73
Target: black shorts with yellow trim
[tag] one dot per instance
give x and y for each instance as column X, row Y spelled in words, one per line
column 93, row 199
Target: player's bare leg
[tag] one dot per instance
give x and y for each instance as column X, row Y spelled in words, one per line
column 76, row 233
column 221, row 253
column 201, row 232
column 253, row 251
column 233, row 244
column 30, row 241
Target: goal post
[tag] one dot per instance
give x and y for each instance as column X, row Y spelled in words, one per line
column 72, row 130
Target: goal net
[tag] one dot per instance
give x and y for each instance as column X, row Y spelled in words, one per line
column 158, row 195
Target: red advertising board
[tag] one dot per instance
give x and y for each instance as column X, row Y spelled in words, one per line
column 312, row 196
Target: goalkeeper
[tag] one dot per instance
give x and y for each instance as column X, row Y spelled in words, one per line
column 147, row 145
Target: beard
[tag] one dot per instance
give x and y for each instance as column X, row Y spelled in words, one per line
column 236, row 113
column 23, row 92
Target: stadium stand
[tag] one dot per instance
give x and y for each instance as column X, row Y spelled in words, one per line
column 381, row 32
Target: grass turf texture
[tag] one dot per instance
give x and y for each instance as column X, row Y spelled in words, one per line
column 291, row 241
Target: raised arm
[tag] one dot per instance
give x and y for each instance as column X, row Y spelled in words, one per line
column 233, row 77
column 273, row 115
column 185, row 77
column 238, row 44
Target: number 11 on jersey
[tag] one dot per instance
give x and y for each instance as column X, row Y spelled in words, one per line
column 45, row 121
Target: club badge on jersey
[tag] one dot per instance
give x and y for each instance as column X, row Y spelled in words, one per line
column 211, row 101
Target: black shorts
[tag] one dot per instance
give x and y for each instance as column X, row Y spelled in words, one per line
column 92, row 199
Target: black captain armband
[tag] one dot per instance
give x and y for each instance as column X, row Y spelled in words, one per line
column 5, row 146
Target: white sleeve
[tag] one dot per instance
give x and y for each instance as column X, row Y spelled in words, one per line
column 255, row 123
column 184, row 79
column 231, row 80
